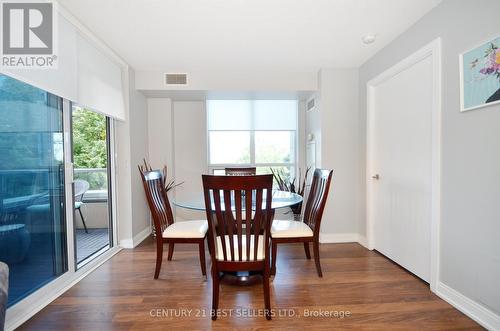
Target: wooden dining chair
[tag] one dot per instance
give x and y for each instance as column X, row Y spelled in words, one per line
column 247, row 171
column 307, row 230
column 167, row 231
column 238, row 243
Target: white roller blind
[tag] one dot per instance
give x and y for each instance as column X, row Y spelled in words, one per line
column 275, row 114
column 99, row 81
column 84, row 75
column 229, row 114
column 63, row 80
column 252, row 114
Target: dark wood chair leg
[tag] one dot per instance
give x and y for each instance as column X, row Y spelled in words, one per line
column 267, row 295
column 170, row 251
column 273, row 257
column 159, row 257
column 215, row 294
column 316, row 257
column 202, row 259
column 83, row 220
column 306, row 248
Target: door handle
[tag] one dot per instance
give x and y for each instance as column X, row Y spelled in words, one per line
column 377, row 177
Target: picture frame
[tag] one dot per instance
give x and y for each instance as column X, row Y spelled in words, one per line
column 480, row 75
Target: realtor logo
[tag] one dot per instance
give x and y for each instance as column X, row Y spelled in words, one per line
column 28, row 34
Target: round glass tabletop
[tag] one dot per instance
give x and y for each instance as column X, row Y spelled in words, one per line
column 281, row 199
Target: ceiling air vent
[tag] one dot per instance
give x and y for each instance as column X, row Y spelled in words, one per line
column 176, row 79
column 310, row 104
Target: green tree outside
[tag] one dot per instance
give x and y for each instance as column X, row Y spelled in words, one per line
column 90, row 147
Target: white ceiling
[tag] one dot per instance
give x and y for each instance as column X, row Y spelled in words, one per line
column 298, row 35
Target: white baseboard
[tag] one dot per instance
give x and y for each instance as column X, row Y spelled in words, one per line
column 141, row 236
column 138, row 238
column 469, row 307
column 335, row 238
column 363, row 241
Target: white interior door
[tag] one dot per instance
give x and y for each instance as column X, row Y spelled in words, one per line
column 401, row 155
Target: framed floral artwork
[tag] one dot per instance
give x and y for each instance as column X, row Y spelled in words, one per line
column 480, row 76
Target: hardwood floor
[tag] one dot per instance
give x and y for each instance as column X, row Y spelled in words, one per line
column 378, row 294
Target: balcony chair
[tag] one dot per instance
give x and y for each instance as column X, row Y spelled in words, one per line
column 81, row 186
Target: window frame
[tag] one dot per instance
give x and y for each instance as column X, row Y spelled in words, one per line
column 292, row 165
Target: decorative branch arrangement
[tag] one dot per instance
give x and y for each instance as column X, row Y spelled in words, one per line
column 285, row 184
column 169, row 185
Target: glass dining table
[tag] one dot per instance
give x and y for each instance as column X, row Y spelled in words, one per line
column 280, row 199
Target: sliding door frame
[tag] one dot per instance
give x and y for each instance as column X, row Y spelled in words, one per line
column 33, row 303
column 110, row 172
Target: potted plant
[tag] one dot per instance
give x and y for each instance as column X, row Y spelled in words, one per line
column 286, row 184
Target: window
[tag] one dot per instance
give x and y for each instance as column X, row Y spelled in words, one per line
column 260, row 133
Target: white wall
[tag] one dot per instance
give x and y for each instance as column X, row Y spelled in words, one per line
column 231, row 81
column 470, row 182
column 339, row 148
column 96, row 215
column 160, row 134
column 190, row 149
column 131, row 145
column 334, row 123
column 138, row 151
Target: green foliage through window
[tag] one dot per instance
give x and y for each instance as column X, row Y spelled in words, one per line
column 89, row 139
column 90, row 148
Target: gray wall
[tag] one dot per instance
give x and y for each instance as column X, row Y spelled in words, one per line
column 470, row 217
column 338, row 109
column 131, row 141
column 138, row 119
column 190, row 154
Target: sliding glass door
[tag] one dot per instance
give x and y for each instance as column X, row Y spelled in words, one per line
column 32, row 195
column 51, row 226
column 92, row 194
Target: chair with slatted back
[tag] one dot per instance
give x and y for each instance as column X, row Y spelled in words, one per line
column 238, row 241
column 307, row 230
column 168, row 231
column 240, row 171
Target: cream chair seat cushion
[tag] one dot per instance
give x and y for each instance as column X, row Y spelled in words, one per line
column 220, row 250
column 186, row 229
column 290, row 229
